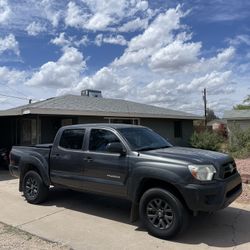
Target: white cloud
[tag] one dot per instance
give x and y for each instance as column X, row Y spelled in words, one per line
column 35, row 28
column 98, row 21
column 240, row 39
column 118, row 39
column 98, row 15
column 75, row 17
column 9, row 43
column 105, row 79
column 98, row 40
column 158, row 34
column 175, row 56
column 133, row 25
column 61, row 40
column 115, row 39
column 11, row 77
column 5, row 11
column 164, row 67
column 52, row 11
column 213, row 81
column 84, row 41
column 64, row 41
column 64, row 72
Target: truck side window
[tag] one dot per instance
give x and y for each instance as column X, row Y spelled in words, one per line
column 72, row 138
column 100, row 138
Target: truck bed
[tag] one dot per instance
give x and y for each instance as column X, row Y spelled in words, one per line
column 39, row 151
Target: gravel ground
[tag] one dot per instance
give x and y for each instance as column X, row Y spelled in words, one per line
column 245, row 196
column 243, row 166
column 13, row 238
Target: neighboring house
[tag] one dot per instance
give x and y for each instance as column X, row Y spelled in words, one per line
column 236, row 118
column 38, row 122
column 218, row 125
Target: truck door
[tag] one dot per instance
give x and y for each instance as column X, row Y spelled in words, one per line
column 66, row 159
column 104, row 172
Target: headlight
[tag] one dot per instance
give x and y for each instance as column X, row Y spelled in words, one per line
column 202, row 172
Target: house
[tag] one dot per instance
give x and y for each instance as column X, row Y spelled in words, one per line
column 218, row 126
column 240, row 118
column 38, row 122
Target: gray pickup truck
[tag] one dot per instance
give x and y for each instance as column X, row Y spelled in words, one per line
column 165, row 184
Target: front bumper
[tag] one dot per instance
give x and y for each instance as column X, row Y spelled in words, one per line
column 212, row 196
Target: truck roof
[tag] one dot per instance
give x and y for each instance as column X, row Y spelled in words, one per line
column 102, row 125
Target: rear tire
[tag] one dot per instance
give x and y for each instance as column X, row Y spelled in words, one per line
column 162, row 213
column 34, row 189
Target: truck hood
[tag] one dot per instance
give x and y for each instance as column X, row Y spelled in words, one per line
column 191, row 155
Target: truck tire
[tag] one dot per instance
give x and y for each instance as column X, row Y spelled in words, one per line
column 34, row 189
column 162, row 213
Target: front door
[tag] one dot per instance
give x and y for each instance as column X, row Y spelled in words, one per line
column 104, row 172
column 66, row 159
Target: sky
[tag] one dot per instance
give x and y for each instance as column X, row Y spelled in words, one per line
column 158, row 52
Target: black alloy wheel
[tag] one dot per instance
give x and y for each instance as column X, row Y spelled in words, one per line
column 34, row 189
column 162, row 213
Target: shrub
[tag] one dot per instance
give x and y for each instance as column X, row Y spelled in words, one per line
column 239, row 143
column 206, row 140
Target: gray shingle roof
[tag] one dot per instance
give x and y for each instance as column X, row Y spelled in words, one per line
column 237, row 115
column 84, row 105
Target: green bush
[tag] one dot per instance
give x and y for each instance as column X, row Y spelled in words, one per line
column 206, row 140
column 239, row 142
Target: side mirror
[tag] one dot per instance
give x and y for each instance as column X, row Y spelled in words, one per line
column 116, row 147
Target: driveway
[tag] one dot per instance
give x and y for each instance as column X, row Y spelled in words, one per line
column 84, row 221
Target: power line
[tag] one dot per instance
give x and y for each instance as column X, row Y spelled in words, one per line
column 17, row 97
column 18, row 91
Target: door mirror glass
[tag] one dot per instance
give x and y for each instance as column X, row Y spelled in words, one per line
column 115, row 147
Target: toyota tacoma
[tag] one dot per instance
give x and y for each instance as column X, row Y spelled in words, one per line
column 165, row 184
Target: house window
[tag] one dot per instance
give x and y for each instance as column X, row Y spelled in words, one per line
column 178, row 129
column 72, row 139
column 134, row 121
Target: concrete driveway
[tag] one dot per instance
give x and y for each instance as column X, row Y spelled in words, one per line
column 85, row 221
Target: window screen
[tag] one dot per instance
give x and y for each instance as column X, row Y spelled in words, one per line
column 72, row 138
column 100, row 138
column 177, row 129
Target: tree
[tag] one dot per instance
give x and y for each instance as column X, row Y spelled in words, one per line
column 211, row 115
column 245, row 105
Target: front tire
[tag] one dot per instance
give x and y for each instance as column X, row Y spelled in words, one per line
column 34, row 189
column 162, row 213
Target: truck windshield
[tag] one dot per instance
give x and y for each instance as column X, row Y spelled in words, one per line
column 142, row 139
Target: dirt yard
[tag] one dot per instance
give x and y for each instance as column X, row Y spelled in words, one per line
column 243, row 166
column 13, row 238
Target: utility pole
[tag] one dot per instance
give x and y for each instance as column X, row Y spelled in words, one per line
column 205, row 106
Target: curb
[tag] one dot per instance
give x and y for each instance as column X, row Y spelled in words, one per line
column 245, row 178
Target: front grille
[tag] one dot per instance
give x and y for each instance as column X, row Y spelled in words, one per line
column 228, row 170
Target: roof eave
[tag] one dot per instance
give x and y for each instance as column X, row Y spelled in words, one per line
column 41, row 111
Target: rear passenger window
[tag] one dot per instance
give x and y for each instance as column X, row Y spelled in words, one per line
column 72, row 138
column 100, row 138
